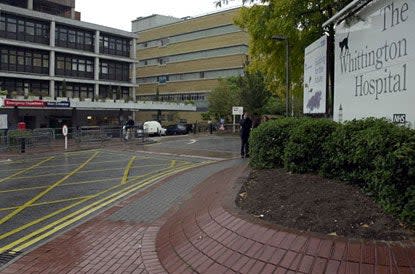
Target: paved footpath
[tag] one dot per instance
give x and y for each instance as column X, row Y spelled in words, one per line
column 189, row 224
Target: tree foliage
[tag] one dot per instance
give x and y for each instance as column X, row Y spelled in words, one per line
column 254, row 92
column 298, row 20
column 223, row 98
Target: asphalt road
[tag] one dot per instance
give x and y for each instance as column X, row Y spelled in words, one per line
column 41, row 197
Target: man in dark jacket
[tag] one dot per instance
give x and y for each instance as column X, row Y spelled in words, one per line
column 246, row 125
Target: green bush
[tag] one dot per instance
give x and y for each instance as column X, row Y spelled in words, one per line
column 303, row 150
column 408, row 211
column 352, row 149
column 267, row 142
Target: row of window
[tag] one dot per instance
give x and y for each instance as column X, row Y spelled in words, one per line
column 197, row 55
column 19, row 86
column 23, row 29
column 35, row 61
column 72, row 38
column 213, row 74
column 174, row 97
column 190, row 36
column 69, row 65
column 29, row 30
column 114, row 92
column 76, row 90
column 62, row 89
column 111, row 70
column 114, row 45
column 24, row 60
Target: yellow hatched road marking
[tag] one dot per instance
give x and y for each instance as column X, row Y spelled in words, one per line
column 26, row 169
column 127, row 170
column 89, row 181
column 68, row 165
column 85, row 171
column 73, row 217
column 23, row 227
column 43, row 193
column 16, row 230
column 51, row 202
column 68, row 184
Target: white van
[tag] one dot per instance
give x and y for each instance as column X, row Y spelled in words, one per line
column 153, row 127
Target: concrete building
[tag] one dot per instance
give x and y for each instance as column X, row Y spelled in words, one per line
column 55, row 69
column 182, row 59
column 48, row 55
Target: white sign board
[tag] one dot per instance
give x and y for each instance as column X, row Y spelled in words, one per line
column 237, row 110
column 3, row 121
column 315, row 75
column 375, row 63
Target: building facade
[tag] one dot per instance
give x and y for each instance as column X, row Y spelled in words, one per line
column 51, row 63
column 182, row 59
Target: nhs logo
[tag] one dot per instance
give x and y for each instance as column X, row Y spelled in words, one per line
column 399, row 118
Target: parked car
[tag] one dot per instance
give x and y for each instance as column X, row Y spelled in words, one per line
column 154, row 127
column 176, row 129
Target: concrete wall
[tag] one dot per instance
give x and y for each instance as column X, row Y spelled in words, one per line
column 152, row 21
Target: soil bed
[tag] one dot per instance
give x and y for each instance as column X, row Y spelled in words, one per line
column 312, row 203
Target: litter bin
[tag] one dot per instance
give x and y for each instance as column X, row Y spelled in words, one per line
column 21, row 125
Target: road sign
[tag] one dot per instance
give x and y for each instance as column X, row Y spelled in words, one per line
column 65, row 130
column 65, row 133
column 237, row 110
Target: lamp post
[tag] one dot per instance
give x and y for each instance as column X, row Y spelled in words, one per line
column 280, row 38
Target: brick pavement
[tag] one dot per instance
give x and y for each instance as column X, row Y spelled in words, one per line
column 207, row 234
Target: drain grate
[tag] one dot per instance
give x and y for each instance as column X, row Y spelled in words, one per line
column 8, row 256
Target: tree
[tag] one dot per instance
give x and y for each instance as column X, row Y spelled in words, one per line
column 223, row 98
column 254, row 92
column 219, row 3
column 298, row 20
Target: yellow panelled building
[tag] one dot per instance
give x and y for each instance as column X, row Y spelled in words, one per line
column 182, row 60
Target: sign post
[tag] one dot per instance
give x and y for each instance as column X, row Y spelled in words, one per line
column 65, row 133
column 236, row 111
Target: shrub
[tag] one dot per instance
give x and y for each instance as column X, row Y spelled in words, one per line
column 351, row 150
column 267, row 142
column 303, row 150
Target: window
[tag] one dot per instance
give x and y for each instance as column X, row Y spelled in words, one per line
column 117, row 71
column 114, row 45
column 24, row 29
column 89, row 66
column 71, row 36
column 24, row 60
column 79, row 67
column 11, row 25
column 30, row 28
column 37, row 60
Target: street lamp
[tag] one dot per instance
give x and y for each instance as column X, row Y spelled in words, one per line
column 280, row 38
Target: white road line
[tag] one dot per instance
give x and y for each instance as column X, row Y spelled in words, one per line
column 192, row 141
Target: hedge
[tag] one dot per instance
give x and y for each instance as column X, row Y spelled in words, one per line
column 373, row 153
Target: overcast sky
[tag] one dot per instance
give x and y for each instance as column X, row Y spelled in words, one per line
column 120, row 13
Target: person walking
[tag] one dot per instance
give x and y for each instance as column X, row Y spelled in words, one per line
column 246, row 125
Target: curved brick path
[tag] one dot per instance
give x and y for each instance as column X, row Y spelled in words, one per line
column 207, row 234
